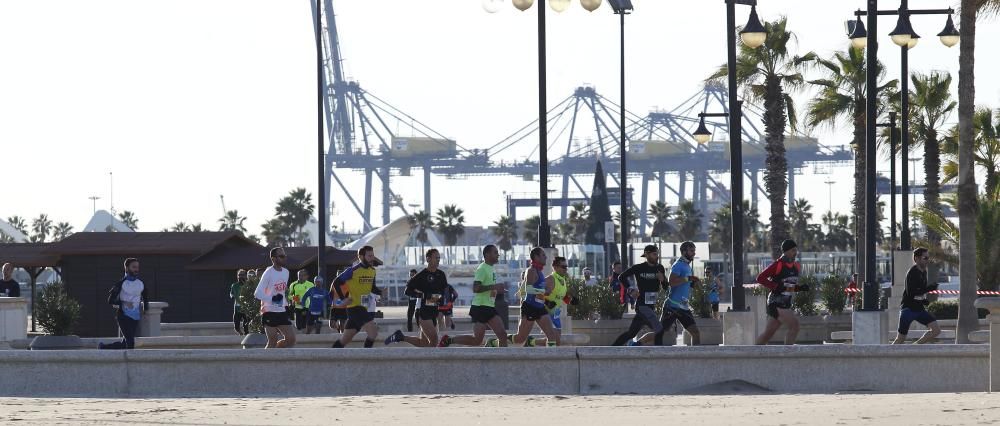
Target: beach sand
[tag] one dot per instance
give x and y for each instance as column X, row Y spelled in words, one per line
column 840, row 409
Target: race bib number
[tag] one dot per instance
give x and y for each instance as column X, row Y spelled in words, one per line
column 432, row 300
column 650, row 297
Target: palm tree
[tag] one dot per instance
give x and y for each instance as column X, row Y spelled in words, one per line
column 987, row 149
column 768, row 75
column 128, row 219
column 420, row 221
column 968, row 319
column 506, row 232
column 179, row 227
column 579, row 221
column 803, row 231
column 838, row 232
column 987, row 236
column 841, row 100
column 41, row 226
column 564, row 234
column 6, row 239
column 661, row 214
column 450, row 223
column 531, row 229
column 688, row 221
column 295, row 209
column 633, row 224
column 232, row 221
column 276, row 233
column 61, row 231
column 18, row 223
column 932, row 104
column 194, row 228
column 720, row 231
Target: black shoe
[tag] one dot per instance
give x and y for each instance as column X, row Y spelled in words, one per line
column 394, row 337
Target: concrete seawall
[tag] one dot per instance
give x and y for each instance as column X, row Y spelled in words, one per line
column 547, row 371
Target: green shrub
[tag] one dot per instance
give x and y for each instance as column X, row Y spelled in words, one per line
column 804, row 302
column 56, row 312
column 699, row 300
column 949, row 310
column 832, row 294
column 250, row 306
column 597, row 300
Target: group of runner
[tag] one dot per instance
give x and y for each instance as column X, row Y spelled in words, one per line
column 543, row 297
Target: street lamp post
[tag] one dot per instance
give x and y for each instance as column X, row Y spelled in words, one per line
column 320, row 154
column 904, row 36
column 892, row 189
column 753, row 36
column 622, row 8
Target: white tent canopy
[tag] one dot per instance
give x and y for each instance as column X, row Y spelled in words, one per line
column 102, row 221
column 390, row 241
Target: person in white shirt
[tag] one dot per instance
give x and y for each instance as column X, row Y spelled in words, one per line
column 588, row 277
column 271, row 293
column 128, row 297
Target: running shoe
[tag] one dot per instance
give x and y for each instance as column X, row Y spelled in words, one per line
column 394, row 337
column 444, row 342
column 634, row 343
column 530, row 342
column 493, row 342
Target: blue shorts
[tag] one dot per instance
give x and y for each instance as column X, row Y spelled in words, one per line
column 906, row 316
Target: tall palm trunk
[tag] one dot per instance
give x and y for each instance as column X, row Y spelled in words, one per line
column 858, row 205
column 932, row 180
column 775, row 175
column 967, row 203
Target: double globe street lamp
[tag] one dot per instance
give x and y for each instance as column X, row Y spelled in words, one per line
column 620, row 7
column 753, row 35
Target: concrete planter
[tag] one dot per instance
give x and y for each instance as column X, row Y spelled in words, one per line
column 710, row 329
column 254, row 341
column 41, row 343
column 601, row 332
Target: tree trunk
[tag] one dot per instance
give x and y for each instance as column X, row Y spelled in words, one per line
column 858, row 204
column 932, row 180
column 776, row 167
column 967, row 203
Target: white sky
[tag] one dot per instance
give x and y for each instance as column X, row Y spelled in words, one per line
column 186, row 100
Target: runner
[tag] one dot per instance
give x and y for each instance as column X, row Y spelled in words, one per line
column 338, row 309
column 782, row 278
column 558, row 298
column 446, row 308
column 649, row 276
column 715, row 289
column 429, row 286
column 271, row 293
column 411, row 306
column 677, row 307
column 296, row 293
column 483, row 311
column 915, row 299
column 360, row 282
column 241, row 322
column 535, row 287
column 316, row 300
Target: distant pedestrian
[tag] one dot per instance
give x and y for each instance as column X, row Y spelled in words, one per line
column 446, row 308
column 715, row 290
column 8, row 286
column 588, row 277
column 271, row 292
column 296, row 292
column 241, row 321
column 338, row 309
column 316, row 300
column 852, row 289
column 619, row 289
column 128, row 296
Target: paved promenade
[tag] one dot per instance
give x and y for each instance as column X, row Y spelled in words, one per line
column 443, row 410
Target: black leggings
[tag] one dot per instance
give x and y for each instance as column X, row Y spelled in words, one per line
column 128, row 326
column 644, row 316
column 241, row 323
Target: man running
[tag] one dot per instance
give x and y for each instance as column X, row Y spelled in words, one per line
column 677, row 307
column 649, row 276
column 271, row 293
column 446, row 309
column 483, row 311
column 782, row 278
column 915, row 299
column 559, row 296
column 296, row 293
column 536, row 286
column 241, row 322
column 316, row 300
column 360, row 282
column 429, row 287
column 411, row 306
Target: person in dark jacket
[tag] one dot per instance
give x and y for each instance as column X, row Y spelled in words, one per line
column 128, row 297
column 912, row 307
